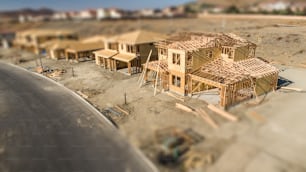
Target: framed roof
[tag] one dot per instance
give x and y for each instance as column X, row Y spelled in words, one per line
column 124, row 57
column 221, row 72
column 139, row 37
column 154, row 65
column 105, row 53
column 194, row 41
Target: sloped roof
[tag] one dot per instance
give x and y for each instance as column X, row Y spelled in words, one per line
column 79, row 47
column 140, row 37
column 41, row 32
column 58, row 44
column 96, row 38
column 124, row 57
column 105, row 53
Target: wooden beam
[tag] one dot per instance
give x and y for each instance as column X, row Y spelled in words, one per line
column 183, row 107
column 198, row 86
column 122, row 110
column 115, row 65
column 207, row 118
column 141, row 78
column 222, row 113
column 129, row 67
column 293, row 89
column 156, row 80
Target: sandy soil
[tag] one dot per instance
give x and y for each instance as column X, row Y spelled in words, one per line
column 239, row 146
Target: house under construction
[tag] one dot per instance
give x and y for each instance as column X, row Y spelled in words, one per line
column 32, row 40
column 126, row 52
column 191, row 63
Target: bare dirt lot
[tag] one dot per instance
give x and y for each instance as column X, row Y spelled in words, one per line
column 269, row 136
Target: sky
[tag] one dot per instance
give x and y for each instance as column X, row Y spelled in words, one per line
column 85, row 4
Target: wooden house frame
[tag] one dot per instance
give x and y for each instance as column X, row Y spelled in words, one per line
column 55, row 49
column 191, row 63
column 31, row 40
column 126, row 52
column 82, row 50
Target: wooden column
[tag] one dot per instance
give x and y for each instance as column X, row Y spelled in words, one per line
column 98, row 60
column 222, row 96
column 66, row 55
column 190, row 86
column 129, row 67
column 77, row 56
column 104, row 63
column 109, row 64
column 115, row 65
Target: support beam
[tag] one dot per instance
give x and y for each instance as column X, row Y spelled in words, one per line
column 77, row 56
column 129, row 67
column 115, row 65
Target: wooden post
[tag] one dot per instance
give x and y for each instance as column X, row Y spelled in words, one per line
column 156, row 80
column 143, row 74
column 190, row 86
column 67, row 55
column 77, row 56
column 115, row 65
column 103, row 62
column 129, row 67
column 109, row 64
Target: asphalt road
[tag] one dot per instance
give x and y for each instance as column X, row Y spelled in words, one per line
column 45, row 128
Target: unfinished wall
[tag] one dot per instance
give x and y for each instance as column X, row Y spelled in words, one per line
column 241, row 53
column 180, row 90
column 145, row 50
column 202, row 57
column 266, row 84
column 162, row 54
column 174, row 67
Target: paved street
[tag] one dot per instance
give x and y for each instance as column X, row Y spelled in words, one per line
column 44, row 128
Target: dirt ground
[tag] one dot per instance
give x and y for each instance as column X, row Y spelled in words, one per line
column 271, row 140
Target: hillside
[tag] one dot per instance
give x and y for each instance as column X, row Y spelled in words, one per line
column 240, row 3
column 26, row 11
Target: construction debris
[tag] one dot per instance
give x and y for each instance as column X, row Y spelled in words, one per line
column 198, row 112
column 207, row 118
column 39, row 69
column 113, row 114
column 183, row 107
column 56, row 73
column 222, row 113
column 174, row 143
column 194, row 160
column 122, row 110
